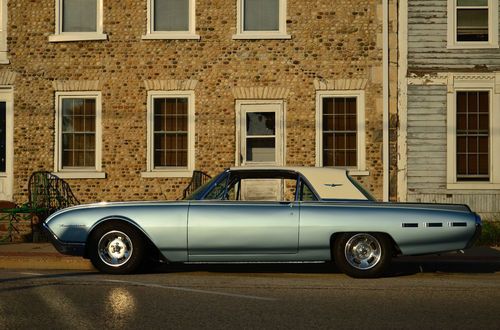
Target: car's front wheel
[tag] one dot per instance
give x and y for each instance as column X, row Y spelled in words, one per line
column 362, row 255
column 116, row 248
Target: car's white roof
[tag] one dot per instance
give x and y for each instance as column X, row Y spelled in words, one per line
column 329, row 183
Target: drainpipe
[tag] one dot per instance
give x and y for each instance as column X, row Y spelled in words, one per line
column 385, row 98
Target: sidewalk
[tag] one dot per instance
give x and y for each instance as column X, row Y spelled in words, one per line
column 38, row 256
column 45, row 256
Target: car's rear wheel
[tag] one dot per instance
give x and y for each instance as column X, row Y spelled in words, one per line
column 362, row 255
column 116, row 248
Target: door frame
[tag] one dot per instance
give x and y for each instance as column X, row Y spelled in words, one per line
column 280, row 120
column 7, row 177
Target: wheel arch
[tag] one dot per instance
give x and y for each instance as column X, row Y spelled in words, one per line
column 395, row 248
column 153, row 251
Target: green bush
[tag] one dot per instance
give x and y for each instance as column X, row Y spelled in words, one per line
column 490, row 234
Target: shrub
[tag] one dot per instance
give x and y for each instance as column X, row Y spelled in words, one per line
column 490, row 234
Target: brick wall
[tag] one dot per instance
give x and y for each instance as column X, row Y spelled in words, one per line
column 330, row 41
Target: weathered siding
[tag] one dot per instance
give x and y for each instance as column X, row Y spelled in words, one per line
column 427, row 40
column 426, row 138
column 427, row 148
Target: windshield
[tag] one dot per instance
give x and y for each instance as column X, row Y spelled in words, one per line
column 196, row 195
column 361, row 188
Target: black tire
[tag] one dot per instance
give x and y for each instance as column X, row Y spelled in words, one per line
column 116, row 248
column 362, row 255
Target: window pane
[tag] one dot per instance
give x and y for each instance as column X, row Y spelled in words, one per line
column 474, row 3
column 328, row 105
column 327, row 141
column 171, row 15
column 472, row 25
column 327, row 158
column 79, row 16
column 339, row 141
column 328, row 123
column 261, row 149
column 340, row 158
column 350, row 105
column 261, row 15
column 483, row 165
column 461, row 164
column 461, row 144
column 261, row 123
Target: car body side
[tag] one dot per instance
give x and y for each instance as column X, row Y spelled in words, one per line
column 300, row 231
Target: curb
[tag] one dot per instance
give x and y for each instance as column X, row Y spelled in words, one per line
column 46, row 261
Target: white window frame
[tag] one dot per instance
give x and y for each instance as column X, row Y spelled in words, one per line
column 492, row 28
column 189, row 34
column 474, row 84
column 60, row 36
column 280, row 134
column 242, row 34
column 3, row 32
column 360, row 169
column 172, row 172
column 84, row 172
column 7, row 177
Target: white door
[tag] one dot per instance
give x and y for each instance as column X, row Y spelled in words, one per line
column 6, row 144
column 260, row 131
column 260, row 138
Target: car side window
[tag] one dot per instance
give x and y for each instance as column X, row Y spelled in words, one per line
column 218, row 191
column 306, row 194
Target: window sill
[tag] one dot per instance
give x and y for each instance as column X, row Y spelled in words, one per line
column 3, row 58
column 171, row 36
column 253, row 36
column 358, row 173
column 473, row 46
column 473, row 186
column 168, row 174
column 64, row 37
column 80, row 175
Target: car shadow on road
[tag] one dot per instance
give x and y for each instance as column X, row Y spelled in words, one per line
column 476, row 260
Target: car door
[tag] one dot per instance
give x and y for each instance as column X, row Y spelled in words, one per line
column 242, row 230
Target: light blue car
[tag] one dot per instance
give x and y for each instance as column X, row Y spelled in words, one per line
column 257, row 214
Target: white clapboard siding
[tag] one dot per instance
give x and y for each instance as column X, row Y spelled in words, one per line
column 426, row 138
column 486, row 204
column 427, row 41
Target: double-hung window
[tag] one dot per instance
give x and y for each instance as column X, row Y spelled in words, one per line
column 261, row 19
column 473, row 135
column 78, row 20
column 170, row 134
column 473, row 142
column 171, row 19
column 340, row 131
column 472, row 23
column 78, row 135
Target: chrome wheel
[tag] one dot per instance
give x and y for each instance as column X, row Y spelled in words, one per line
column 363, row 251
column 115, row 248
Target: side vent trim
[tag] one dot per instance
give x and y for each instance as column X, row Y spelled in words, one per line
column 458, row 224
column 434, row 224
column 409, row 225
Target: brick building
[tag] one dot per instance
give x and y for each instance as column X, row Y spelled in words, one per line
column 124, row 99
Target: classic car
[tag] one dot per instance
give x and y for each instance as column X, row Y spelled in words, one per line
column 256, row 214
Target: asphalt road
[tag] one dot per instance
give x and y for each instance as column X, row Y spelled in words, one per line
column 253, row 296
